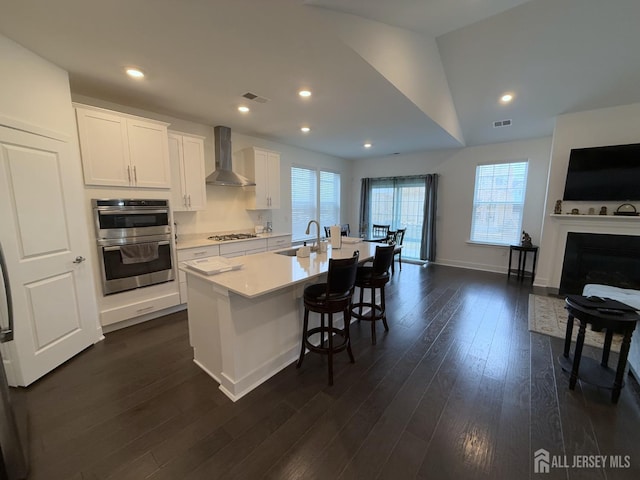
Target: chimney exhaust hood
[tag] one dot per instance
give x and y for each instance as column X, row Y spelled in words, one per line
column 224, row 175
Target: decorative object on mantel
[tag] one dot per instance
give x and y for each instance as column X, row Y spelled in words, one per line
column 627, row 210
column 592, row 211
column 603, row 210
column 575, row 211
column 526, row 240
column 558, row 208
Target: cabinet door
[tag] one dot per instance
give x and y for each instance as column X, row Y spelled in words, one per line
column 261, row 179
column 148, row 150
column 178, row 193
column 273, row 179
column 104, row 148
column 193, row 173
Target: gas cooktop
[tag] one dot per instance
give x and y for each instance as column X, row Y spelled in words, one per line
column 232, row 236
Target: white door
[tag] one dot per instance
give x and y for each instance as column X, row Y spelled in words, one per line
column 44, row 237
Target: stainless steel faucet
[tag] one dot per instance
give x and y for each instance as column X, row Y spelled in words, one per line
column 316, row 247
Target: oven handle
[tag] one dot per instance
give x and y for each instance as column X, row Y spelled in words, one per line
column 131, row 212
column 117, row 247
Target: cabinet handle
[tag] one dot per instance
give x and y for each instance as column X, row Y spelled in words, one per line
column 199, row 254
column 129, row 172
column 189, row 196
column 184, row 200
column 140, row 310
column 135, row 175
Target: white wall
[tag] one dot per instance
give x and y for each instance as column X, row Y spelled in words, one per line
column 456, row 169
column 593, row 128
column 226, row 206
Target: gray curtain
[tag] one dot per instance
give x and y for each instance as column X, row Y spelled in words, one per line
column 428, row 245
column 365, row 196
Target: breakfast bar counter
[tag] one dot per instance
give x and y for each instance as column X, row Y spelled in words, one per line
column 245, row 325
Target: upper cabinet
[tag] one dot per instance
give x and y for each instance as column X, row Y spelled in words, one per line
column 189, row 191
column 122, row 150
column 263, row 166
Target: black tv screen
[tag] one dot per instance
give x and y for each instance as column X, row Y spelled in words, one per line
column 604, row 173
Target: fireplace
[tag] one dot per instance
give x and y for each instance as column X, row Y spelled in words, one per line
column 600, row 258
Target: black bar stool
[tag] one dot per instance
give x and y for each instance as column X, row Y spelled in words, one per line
column 372, row 277
column 331, row 297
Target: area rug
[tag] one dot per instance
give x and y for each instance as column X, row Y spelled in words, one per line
column 548, row 316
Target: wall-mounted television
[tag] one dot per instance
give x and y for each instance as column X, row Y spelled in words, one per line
column 604, row 173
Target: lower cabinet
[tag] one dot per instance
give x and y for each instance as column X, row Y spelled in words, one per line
column 193, row 254
column 249, row 247
column 276, row 243
column 136, row 309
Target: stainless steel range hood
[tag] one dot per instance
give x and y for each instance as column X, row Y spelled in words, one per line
column 224, row 175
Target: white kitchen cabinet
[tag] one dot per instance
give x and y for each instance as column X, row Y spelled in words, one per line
column 122, row 150
column 278, row 242
column 263, row 166
column 188, row 190
column 193, row 254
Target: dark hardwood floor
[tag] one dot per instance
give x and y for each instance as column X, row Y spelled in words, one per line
column 458, row 388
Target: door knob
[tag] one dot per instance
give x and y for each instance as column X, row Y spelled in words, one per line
column 79, row 259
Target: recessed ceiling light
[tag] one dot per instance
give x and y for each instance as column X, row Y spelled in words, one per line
column 243, row 109
column 367, row 145
column 305, row 129
column 134, row 73
column 506, row 98
column 304, row 93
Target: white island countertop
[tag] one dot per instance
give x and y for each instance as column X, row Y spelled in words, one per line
column 267, row 272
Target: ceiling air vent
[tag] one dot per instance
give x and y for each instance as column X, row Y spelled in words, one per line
column 502, row 123
column 255, row 98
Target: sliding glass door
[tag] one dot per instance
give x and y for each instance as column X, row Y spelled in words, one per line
column 399, row 202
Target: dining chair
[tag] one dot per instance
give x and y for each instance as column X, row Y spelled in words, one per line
column 344, row 230
column 398, row 238
column 380, row 231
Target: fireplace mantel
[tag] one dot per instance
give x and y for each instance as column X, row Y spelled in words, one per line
column 569, row 218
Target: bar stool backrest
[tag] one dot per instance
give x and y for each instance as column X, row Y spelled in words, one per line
column 341, row 277
column 382, row 260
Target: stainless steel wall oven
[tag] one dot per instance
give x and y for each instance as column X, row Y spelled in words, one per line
column 134, row 243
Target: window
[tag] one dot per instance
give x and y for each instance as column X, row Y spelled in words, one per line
column 498, row 203
column 311, row 188
column 399, row 202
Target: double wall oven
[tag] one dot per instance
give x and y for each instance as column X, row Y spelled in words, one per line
column 134, row 243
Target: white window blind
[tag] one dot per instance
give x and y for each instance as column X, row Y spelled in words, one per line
column 329, row 199
column 303, row 200
column 309, row 188
column 498, row 203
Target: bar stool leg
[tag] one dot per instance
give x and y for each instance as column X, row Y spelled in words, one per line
column 373, row 314
column 361, row 302
column 384, row 309
column 330, row 353
column 347, row 322
column 322, row 330
column 304, row 337
column 567, row 336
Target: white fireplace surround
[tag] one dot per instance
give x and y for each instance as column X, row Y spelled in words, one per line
column 604, row 224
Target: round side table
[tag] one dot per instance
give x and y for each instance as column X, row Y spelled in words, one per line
column 599, row 374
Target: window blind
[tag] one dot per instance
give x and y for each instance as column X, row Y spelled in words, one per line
column 498, row 203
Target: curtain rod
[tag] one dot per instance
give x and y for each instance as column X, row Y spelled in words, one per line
column 402, row 177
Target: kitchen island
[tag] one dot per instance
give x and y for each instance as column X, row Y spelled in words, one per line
column 245, row 325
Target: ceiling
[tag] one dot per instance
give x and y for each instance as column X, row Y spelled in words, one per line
column 406, row 75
